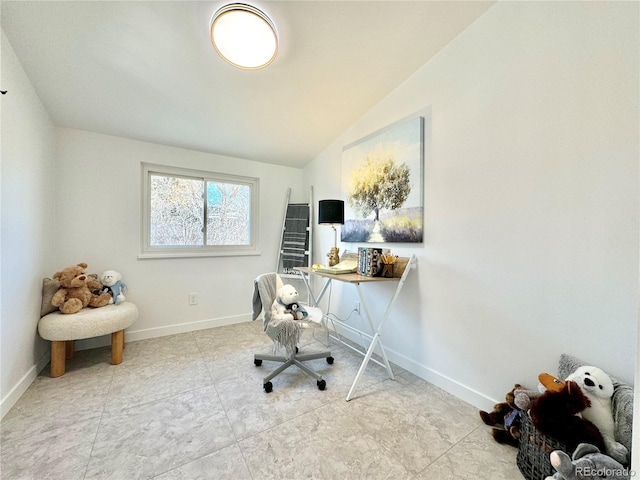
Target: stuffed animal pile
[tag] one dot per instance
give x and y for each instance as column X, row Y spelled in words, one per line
column 578, row 413
column 75, row 291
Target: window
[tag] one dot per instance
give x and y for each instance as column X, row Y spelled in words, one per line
column 195, row 213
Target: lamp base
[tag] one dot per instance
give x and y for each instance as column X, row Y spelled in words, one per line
column 334, row 257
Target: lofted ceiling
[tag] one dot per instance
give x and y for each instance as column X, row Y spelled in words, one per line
column 146, row 70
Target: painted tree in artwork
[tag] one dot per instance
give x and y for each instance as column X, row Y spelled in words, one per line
column 378, row 183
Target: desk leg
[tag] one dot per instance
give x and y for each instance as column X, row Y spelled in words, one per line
column 376, row 337
column 363, row 366
column 374, row 341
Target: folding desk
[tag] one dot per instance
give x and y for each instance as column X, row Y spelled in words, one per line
column 401, row 271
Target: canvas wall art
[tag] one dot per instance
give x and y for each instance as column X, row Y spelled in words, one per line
column 382, row 178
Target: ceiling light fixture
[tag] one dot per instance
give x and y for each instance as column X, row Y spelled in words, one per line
column 244, row 36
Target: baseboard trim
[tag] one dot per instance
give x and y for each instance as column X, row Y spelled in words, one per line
column 434, row 377
column 446, row 383
column 10, row 399
column 135, row 335
column 147, row 333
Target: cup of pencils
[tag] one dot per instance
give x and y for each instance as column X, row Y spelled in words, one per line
column 388, row 261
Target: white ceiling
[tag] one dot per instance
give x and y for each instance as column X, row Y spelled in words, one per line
column 146, row 70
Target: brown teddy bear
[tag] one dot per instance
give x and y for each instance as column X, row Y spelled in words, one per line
column 555, row 414
column 74, row 292
column 504, row 419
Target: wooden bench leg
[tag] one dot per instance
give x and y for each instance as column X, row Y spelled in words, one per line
column 58, row 354
column 70, row 349
column 117, row 345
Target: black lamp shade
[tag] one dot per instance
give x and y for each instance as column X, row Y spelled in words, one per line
column 331, row 211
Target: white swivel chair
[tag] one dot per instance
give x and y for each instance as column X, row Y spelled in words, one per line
column 285, row 335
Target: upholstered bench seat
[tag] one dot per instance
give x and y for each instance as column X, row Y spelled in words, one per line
column 62, row 330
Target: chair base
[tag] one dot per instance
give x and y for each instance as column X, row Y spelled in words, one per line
column 296, row 360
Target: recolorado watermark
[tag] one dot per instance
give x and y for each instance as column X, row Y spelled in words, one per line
column 604, row 472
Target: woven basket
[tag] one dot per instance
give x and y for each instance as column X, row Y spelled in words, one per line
column 533, row 451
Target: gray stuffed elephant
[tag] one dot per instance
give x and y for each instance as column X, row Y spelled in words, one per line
column 587, row 463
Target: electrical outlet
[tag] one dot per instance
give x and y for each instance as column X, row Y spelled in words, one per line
column 356, row 307
column 193, row 298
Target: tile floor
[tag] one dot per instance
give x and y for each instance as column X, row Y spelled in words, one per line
column 191, row 406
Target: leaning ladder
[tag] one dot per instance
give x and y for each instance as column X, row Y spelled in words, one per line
column 297, row 238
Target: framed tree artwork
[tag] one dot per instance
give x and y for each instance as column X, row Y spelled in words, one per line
column 382, row 178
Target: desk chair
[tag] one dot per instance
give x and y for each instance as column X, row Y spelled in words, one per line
column 285, row 335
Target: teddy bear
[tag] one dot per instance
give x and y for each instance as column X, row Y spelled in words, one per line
column 504, row 419
column 555, row 414
column 74, row 292
column 597, row 386
column 113, row 285
column 588, row 464
column 286, row 306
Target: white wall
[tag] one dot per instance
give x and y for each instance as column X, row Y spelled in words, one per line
column 28, row 233
column 99, row 198
column 531, row 199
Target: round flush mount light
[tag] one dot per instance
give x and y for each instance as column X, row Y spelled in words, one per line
column 244, row 36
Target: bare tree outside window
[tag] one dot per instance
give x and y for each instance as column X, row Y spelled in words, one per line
column 177, row 203
column 177, row 211
column 228, row 213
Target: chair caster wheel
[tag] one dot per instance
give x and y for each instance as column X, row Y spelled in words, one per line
column 257, row 362
column 268, row 387
column 330, row 360
column 321, row 384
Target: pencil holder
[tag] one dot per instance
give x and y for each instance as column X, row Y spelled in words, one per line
column 387, row 270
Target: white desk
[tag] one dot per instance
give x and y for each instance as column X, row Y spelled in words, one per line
column 404, row 265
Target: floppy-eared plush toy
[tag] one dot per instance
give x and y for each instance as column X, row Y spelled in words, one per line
column 586, row 463
column 75, row 290
column 598, row 388
column 113, row 285
column 555, row 414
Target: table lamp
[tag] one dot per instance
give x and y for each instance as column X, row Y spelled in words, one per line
column 331, row 212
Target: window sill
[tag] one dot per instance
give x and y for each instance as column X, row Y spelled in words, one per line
column 166, row 255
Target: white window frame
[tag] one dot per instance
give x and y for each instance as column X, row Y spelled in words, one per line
column 153, row 251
